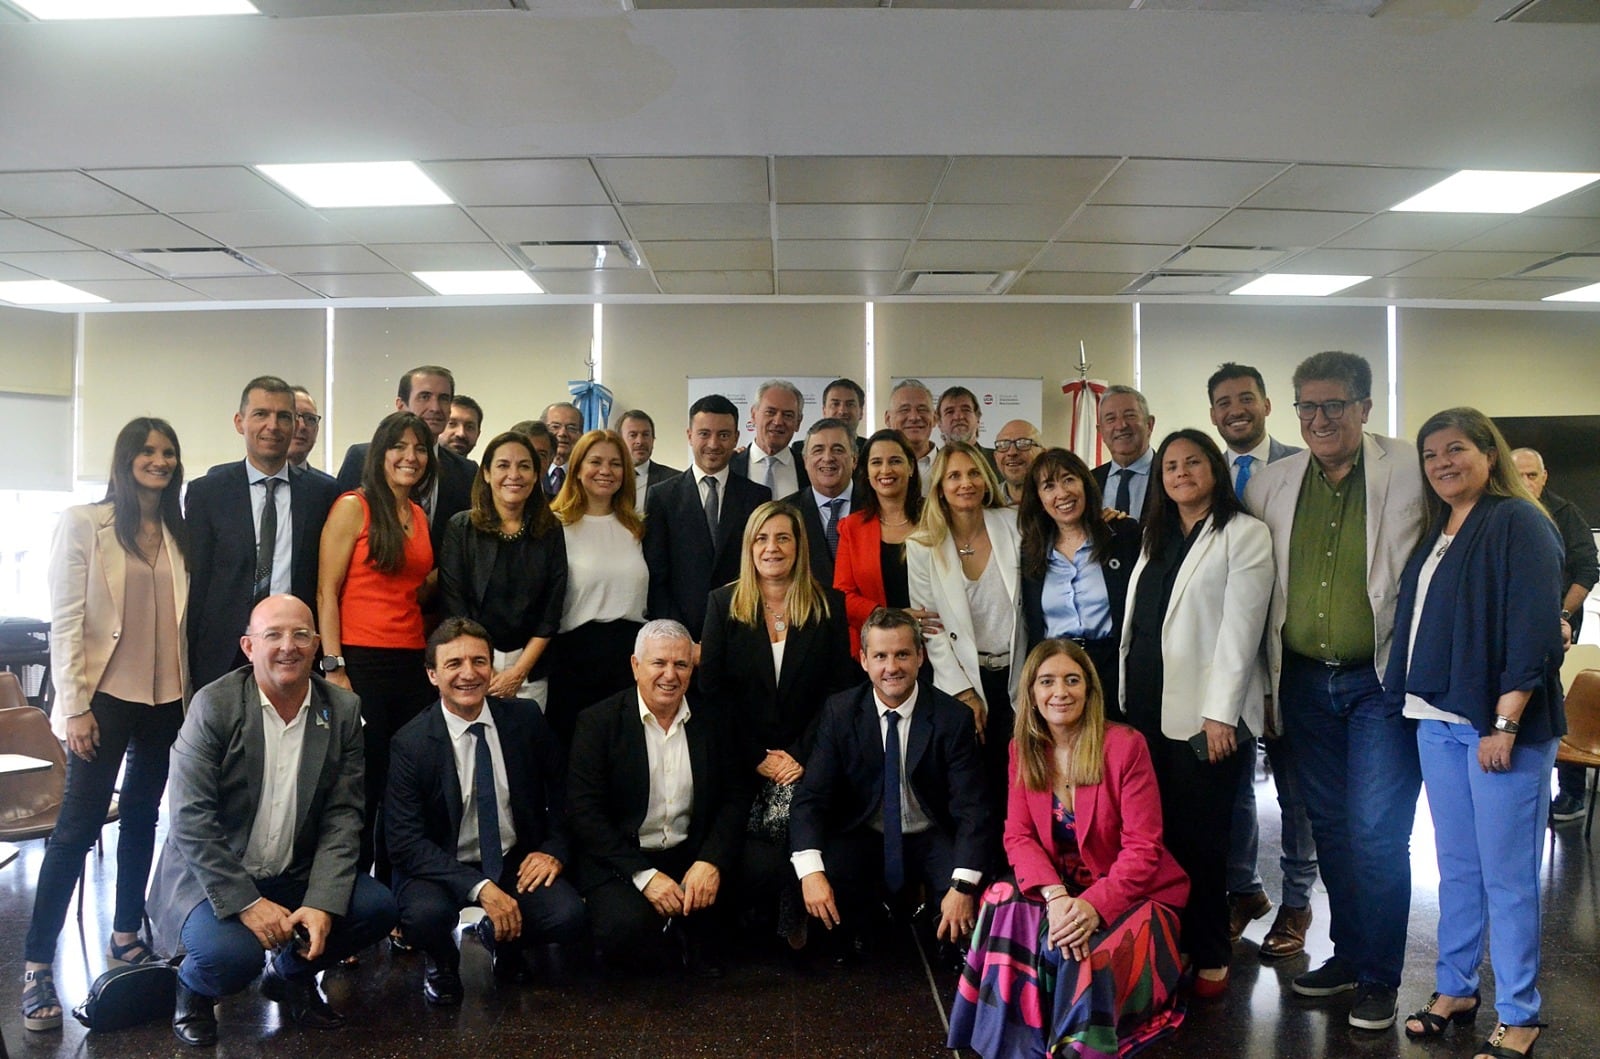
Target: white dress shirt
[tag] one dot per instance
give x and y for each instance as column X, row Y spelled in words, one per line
column 785, row 479
column 641, row 484
column 283, row 543
column 666, row 815
column 270, row 848
column 465, row 747
column 1260, row 452
column 722, row 477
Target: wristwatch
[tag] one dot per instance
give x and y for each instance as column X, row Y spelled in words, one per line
column 961, row 886
column 1502, row 723
column 1566, row 614
column 332, row 663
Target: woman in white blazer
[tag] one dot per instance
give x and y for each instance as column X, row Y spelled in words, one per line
column 963, row 563
column 118, row 593
column 1193, row 671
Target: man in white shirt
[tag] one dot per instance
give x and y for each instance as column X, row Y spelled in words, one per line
column 663, row 859
column 911, row 412
column 830, row 463
column 779, row 409
column 638, row 432
column 564, row 420
column 1125, row 426
column 260, row 856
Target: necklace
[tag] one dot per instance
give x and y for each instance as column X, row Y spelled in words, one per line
column 509, row 537
column 970, row 548
column 777, row 618
column 1445, row 541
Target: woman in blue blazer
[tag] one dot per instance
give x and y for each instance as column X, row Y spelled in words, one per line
column 1477, row 659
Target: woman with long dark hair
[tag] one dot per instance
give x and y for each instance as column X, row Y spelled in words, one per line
column 119, row 591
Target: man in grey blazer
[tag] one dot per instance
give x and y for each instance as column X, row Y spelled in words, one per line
column 1344, row 517
column 260, row 858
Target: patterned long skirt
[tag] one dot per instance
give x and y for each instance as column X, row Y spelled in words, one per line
column 1019, row 997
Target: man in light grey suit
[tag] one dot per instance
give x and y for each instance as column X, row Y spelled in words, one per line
column 1344, row 517
column 1239, row 411
column 260, row 858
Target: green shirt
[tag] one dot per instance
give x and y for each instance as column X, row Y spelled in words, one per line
column 1329, row 615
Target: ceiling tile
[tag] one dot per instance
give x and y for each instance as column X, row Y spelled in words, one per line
column 908, row 179
column 1285, row 228
column 142, row 231
column 1405, row 288
column 1052, row 181
column 317, row 258
column 407, row 224
column 202, row 189
column 389, row 285
column 22, row 236
column 251, row 288
column 1416, row 231
column 599, row 281
column 1584, row 202
column 970, row 254
column 1363, row 189
column 520, row 182
column 1224, row 259
column 1134, row 224
column 1550, row 235
column 721, row 221
column 1178, row 182
column 68, row 265
column 141, row 290
column 685, row 180
column 540, row 224
column 879, row 221
column 822, row 281
column 1103, row 257
column 1019, row 223
column 1515, row 290
column 715, row 282
column 293, row 226
column 61, row 194
column 1468, row 265
column 425, row 257
column 708, row 255
column 1189, row 284
column 1349, row 262
column 823, row 255
column 1570, row 266
column 7, row 272
column 1081, row 283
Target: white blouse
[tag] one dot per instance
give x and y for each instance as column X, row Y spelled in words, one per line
column 607, row 579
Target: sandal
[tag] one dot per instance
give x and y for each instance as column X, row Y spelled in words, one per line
column 1495, row 1046
column 1434, row 1024
column 38, row 994
column 133, row 954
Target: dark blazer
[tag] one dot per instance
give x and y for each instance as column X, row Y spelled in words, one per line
column 685, row 563
column 1581, row 566
column 658, row 474
column 1490, row 623
column 422, row 808
column 767, row 710
column 215, row 788
column 454, row 473
column 468, row 563
column 222, row 559
column 608, row 792
column 816, row 539
column 1117, row 567
column 740, row 465
column 843, row 784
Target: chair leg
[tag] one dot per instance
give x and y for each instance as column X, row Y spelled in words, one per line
column 1589, row 793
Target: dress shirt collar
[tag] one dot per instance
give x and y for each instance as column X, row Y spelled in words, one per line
column 254, row 474
column 721, row 476
column 1260, row 452
column 904, row 709
column 847, row 496
column 1138, row 466
column 649, row 719
column 458, row 726
column 270, row 708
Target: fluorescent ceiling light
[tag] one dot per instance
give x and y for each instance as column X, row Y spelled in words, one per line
column 1494, row 191
column 508, row 281
column 329, row 185
column 1591, row 293
column 1287, row 283
column 52, row 10
column 44, row 292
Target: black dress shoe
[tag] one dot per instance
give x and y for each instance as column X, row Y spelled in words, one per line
column 510, row 967
column 302, row 1001
column 441, row 986
column 702, row 961
column 553, row 968
column 194, row 1018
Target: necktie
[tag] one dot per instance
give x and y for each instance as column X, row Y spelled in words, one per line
column 267, row 539
column 894, row 863
column 831, row 531
column 772, row 477
column 711, row 505
column 1124, row 501
column 1245, row 464
column 488, row 805
column 558, row 475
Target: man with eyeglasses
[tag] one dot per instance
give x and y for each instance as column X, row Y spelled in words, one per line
column 1345, row 515
column 307, row 428
column 255, row 526
column 1016, row 446
column 564, row 420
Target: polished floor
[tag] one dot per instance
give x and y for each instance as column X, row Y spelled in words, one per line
column 892, row 1006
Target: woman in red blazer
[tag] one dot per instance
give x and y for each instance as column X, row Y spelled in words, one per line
column 1080, row 954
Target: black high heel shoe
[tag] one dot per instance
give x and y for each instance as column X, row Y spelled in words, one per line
column 1496, row 1048
column 1434, row 1024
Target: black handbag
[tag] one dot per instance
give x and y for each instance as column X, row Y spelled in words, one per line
column 129, row 996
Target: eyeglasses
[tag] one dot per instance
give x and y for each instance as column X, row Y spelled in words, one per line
column 1333, row 410
column 309, row 419
column 1020, row 444
column 276, row 637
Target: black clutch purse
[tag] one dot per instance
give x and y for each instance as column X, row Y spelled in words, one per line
column 129, row 996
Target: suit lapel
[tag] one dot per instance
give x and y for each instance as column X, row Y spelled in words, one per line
column 114, row 562
column 1377, row 470
column 1209, row 538
column 921, row 736
column 253, row 739
column 483, row 547
column 512, row 745
column 450, row 776
column 313, row 756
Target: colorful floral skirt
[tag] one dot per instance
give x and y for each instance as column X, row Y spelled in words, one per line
column 1018, row 997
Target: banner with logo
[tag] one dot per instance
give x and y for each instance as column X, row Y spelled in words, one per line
column 741, row 390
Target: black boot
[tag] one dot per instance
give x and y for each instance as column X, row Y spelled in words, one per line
column 194, row 1018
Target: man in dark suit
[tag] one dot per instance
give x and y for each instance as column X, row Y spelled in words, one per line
column 1125, row 426
column 426, row 392
column 564, row 421
column 830, row 463
column 694, row 523
column 638, row 432
column 460, row 835
column 859, row 830
column 778, row 411
column 307, row 428
column 961, row 419
column 657, row 813
column 266, row 796
column 846, row 401
column 241, row 547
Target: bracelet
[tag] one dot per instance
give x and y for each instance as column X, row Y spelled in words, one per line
column 1063, row 895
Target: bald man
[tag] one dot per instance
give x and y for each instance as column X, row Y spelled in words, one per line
column 1016, row 446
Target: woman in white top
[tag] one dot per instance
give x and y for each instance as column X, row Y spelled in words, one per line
column 607, row 580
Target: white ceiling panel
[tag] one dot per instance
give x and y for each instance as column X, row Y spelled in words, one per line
column 7, row 272
column 1416, row 231
column 202, row 189
column 856, row 179
column 1041, row 181
column 70, row 265
column 318, row 259
column 1078, row 283
column 599, row 282
column 1190, row 284
column 1278, row 228
column 543, row 224
column 1224, row 259
column 1390, row 287
column 876, row 221
column 406, row 224
column 20, row 235
column 1469, row 265
column 970, row 254
column 685, row 180
column 1549, row 235
column 1361, row 189
column 715, row 282
column 1584, row 202
column 61, row 194
column 1178, row 182
column 1134, row 224
column 849, row 255
column 1103, row 257
column 390, row 285
column 426, row 257
column 1017, row 223
column 287, row 227
column 140, row 290
column 710, row 254
column 1571, row 266
column 143, row 231
column 1515, row 290
column 730, row 221
column 848, row 283
column 520, row 182
column 1349, row 262
column 250, row 288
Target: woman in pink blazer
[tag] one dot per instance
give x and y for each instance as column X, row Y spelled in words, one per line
column 1080, row 954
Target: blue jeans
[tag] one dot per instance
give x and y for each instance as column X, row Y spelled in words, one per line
column 144, row 734
column 223, row 956
column 1489, row 828
column 1356, row 759
column 1299, row 858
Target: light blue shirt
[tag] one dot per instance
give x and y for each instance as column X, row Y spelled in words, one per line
column 283, row 543
column 1137, row 485
column 1075, row 599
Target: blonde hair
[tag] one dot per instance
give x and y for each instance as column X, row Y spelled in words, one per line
column 572, row 502
column 804, row 601
column 934, row 525
column 1036, row 761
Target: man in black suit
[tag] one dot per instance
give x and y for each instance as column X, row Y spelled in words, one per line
column 844, row 400
column 564, row 420
column 638, row 432
column 241, row 547
column 426, row 392
column 657, row 813
column 778, row 411
column 830, row 463
column 1125, row 426
column 460, row 835
column 858, row 830
column 961, row 419
column 307, row 428
column 694, row 523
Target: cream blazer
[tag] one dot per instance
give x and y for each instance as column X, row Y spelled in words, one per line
column 88, row 573
column 936, row 583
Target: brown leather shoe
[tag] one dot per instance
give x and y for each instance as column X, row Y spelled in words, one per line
column 1288, row 934
column 1243, row 909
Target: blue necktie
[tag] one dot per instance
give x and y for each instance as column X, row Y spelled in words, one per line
column 1245, row 464
column 831, row 531
column 894, row 861
column 488, row 805
column 1124, row 500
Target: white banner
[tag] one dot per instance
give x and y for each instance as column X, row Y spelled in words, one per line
column 741, row 390
column 1000, row 400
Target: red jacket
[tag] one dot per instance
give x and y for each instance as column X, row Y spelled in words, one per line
column 857, row 573
column 1118, row 827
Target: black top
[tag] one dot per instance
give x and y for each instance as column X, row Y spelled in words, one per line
column 1143, row 672
column 516, row 589
column 896, row 581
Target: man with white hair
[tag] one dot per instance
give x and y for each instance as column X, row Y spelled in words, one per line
column 779, row 410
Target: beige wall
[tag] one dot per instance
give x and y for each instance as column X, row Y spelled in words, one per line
column 35, row 352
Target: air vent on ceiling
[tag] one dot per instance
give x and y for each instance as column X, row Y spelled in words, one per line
column 573, row 256
column 1161, row 283
column 1565, row 266
column 953, row 282
column 1224, row 259
column 195, row 262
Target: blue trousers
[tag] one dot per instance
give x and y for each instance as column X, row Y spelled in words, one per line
column 223, row 956
column 1299, row 857
column 1489, row 828
column 1356, row 759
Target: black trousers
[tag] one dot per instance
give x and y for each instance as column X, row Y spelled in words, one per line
column 854, row 863
column 587, row 664
column 393, row 686
column 428, row 915
column 624, row 921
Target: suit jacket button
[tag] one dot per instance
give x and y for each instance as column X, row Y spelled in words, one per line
column 953, row 636
column 116, row 634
